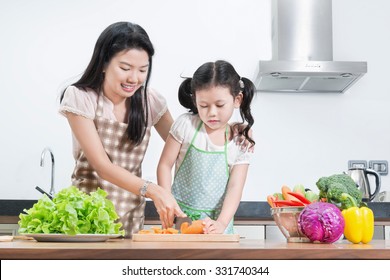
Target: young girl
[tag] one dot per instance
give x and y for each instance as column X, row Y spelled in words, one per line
column 210, row 169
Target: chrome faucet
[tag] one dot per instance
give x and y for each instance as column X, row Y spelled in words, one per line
column 51, row 192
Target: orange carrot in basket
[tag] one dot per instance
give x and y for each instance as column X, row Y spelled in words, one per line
column 271, row 200
column 286, row 195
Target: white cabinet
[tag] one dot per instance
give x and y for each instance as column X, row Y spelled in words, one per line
column 250, row 231
column 379, row 232
column 387, row 232
column 272, row 232
column 9, row 229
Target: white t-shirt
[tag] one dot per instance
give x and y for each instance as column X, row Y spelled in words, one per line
column 84, row 103
column 183, row 130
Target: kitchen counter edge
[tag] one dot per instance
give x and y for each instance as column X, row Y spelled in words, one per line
column 245, row 249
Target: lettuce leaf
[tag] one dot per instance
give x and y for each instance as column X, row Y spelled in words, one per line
column 72, row 212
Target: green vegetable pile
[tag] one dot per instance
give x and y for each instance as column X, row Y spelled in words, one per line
column 71, row 212
column 341, row 190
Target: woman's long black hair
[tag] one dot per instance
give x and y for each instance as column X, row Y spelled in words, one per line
column 115, row 38
column 219, row 73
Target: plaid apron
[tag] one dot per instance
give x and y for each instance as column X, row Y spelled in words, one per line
column 129, row 206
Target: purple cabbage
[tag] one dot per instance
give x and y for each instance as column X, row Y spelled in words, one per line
column 321, row 221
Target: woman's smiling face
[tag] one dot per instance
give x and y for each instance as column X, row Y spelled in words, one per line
column 125, row 74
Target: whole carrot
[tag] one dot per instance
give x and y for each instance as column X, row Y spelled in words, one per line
column 195, row 228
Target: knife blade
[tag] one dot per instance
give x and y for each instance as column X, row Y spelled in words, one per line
column 179, row 220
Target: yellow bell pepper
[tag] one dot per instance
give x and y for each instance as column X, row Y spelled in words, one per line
column 359, row 224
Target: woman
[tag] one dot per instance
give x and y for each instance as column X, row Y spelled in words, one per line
column 111, row 110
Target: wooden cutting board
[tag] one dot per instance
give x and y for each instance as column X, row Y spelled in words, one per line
column 6, row 238
column 187, row 237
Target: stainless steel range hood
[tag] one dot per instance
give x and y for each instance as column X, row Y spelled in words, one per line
column 302, row 51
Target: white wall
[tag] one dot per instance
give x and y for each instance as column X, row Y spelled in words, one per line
column 300, row 137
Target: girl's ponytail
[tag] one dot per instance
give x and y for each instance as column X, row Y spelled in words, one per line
column 186, row 98
column 248, row 91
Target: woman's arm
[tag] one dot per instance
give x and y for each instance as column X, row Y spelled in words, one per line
column 85, row 132
column 167, row 160
column 164, row 125
column 232, row 200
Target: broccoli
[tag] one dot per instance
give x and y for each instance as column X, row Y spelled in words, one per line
column 333, row 187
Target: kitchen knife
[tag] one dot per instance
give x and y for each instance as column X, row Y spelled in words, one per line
column 179, row 220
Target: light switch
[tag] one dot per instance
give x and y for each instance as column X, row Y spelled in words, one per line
column 357, row 164
column 379, row 166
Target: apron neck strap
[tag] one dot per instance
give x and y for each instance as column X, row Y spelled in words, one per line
column 198, row 128
column 100, row 104
column 196, row 132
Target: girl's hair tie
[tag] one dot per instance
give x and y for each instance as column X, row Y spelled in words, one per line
column 241, row 83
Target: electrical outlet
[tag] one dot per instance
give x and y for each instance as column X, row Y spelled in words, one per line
column 379, row 166
column 357, row 164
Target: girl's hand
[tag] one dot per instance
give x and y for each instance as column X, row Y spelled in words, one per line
column 166, row 205
column 213, row 227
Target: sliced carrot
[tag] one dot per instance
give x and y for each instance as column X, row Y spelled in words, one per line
column 159, row 230
column 156, row 230
column 172, row 231
column 300, row 197
column 145, row 231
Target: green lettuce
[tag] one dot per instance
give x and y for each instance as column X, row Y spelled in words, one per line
column 72, row 212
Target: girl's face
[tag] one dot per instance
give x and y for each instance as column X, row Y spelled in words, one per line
column 216, row 105
column 125, row 74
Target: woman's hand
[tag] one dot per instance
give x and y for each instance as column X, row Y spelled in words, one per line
column 166, row 205
column 213, row 227
column 237, row 129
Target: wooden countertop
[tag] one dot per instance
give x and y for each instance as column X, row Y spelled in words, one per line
column 245, row 249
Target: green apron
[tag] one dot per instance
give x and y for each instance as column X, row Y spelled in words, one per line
column 201, row 181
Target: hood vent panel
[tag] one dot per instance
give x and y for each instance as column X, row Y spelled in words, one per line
column 302, row 54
